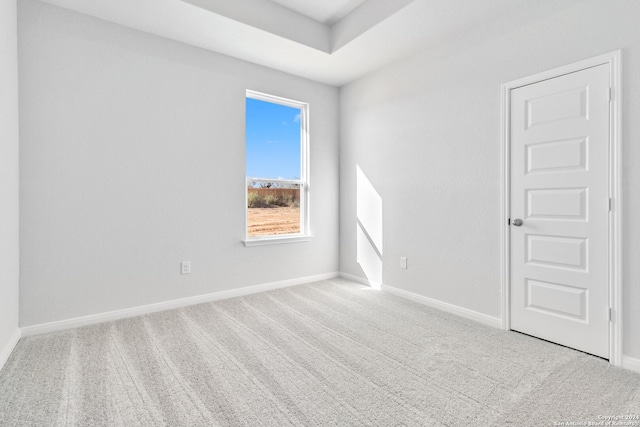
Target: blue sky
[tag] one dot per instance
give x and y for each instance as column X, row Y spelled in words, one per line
column 273, row 140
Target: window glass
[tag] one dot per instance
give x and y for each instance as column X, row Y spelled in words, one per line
column 273, row 140
column 275, row 167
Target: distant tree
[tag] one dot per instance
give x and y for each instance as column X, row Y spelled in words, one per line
column 268, row 185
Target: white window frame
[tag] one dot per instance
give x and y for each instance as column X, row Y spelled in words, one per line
column 304, row 235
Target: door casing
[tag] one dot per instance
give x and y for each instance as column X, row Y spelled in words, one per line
column 615, row 191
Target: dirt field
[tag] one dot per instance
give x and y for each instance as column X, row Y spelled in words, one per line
column 265, row 221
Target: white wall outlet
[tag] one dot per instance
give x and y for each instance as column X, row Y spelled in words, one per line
column 185, row 267
column 403, row 262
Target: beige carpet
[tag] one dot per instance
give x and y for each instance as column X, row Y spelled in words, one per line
column 329, row 353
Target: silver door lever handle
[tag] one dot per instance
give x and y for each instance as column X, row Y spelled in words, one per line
column 517, row 222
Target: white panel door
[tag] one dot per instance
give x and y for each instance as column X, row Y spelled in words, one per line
column 560, row 210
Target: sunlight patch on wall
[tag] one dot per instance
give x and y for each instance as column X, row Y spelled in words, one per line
column 368, row 229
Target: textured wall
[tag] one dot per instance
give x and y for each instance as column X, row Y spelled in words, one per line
column 132, row 160
column 426, row 134
column 9, row 245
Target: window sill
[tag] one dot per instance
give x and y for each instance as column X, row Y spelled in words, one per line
column 276, row 240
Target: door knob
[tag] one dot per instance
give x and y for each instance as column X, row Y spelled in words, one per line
column 517, row 222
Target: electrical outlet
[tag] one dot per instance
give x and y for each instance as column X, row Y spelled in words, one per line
column 403, row 262
column 185, row 267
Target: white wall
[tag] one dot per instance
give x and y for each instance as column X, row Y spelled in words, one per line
column 426, row 133
column 132, row 160
column 9, row 246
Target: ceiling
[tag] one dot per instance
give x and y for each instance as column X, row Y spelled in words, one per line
column 327, row 12
column 330, row 41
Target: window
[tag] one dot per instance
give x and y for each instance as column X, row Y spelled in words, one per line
column 276, row 169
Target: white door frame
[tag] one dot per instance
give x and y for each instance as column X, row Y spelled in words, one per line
column 615, row 191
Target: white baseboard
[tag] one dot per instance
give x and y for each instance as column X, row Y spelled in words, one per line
column 8, row 348
column 166, row 305
column 631, row 363
column 361, row 280
column 449, row 308
column 444, row 306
